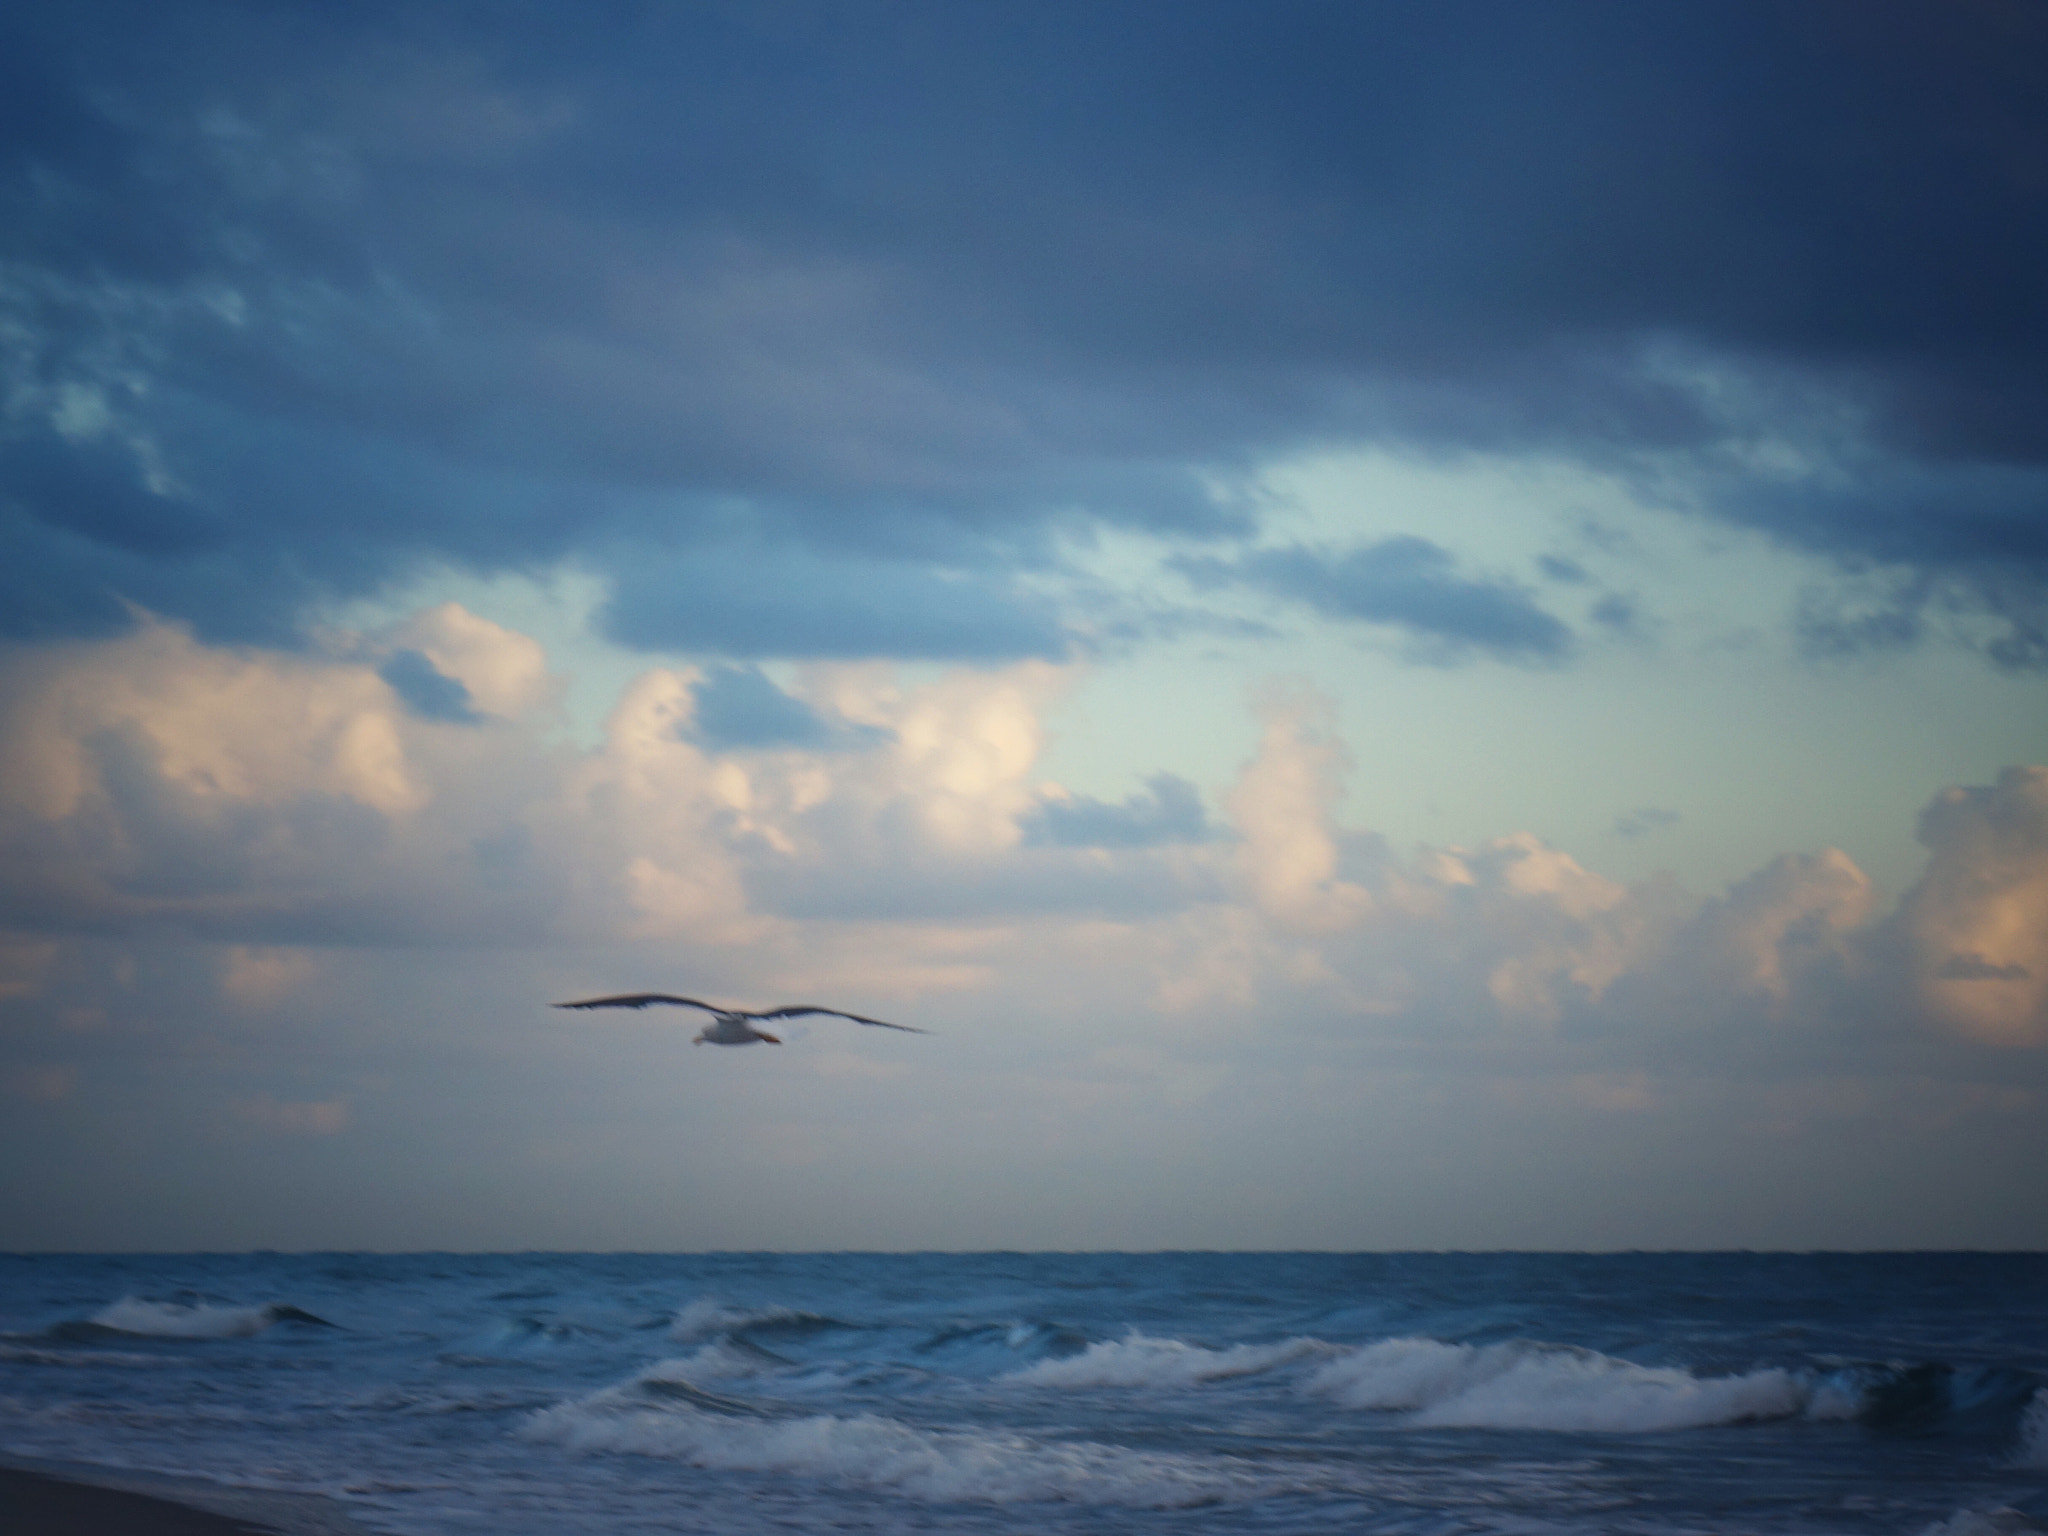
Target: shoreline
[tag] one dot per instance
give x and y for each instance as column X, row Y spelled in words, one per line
column 68, row 1498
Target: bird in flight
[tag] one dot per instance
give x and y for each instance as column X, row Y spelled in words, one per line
column 733, row 1026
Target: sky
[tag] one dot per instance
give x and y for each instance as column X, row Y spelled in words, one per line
column 1402, row 625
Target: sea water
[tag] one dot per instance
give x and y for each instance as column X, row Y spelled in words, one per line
column 1186, row 1393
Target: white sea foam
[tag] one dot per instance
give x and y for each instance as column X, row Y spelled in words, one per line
column 1523, row 1385
column 1141, row 1361
column 872, row 1451
column 704, row 1317
column 2033, row 1446
column 179, row 1320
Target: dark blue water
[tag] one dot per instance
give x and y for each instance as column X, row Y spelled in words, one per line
column 1437, row 1393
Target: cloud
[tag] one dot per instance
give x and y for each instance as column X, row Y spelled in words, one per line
column 1615, row 612
column 1643, row 822
column 1773, row 931
column 500, row 672
column 1997, row 610
column 261, row 796
column 425, row 691
column 738, row 707
column 1407, row 582
column 278, row 803
column 794, row 603
column 247, row 893
column 1281, row 808
column 1974, row 967
column 1169, row 811
column 294, row 310
column 1975, row 927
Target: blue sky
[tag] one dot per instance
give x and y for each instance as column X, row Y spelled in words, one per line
column 1404, row 625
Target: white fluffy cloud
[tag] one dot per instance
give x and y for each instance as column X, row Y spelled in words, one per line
column 278, row 804
column 1974, row 931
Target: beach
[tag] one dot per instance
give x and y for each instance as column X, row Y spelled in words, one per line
column 63, row 1499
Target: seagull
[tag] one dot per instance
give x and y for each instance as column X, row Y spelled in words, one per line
column 732, row 1026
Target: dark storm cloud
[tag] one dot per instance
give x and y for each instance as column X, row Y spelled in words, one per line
column 297, row 299
column 1406, row 582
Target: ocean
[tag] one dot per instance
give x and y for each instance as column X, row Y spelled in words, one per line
column 1056, row 1393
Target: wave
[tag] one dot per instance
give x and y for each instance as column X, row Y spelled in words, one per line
column 1004, row 1341
column 1525, row 1385
column 1142, row 1361
column 1517, row 1385
column 192, row 1319
column 721, row 1359
column 85, row 1359
column 2033, row 1446
column 661, row 1414
column 545, row 1331
column 708, row 1318
column 1982, row 1522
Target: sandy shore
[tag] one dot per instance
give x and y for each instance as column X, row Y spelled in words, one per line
column 40, row 1498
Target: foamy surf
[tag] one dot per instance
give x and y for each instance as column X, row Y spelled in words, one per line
column 1057, row 1395
column 1142, row 1361
column 662, row 1414
column 1522, row 1385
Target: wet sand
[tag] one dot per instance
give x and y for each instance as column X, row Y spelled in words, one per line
column 62, row 1499
column 32, row 1504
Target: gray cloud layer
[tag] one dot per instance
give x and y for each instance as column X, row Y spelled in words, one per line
column 873, row 309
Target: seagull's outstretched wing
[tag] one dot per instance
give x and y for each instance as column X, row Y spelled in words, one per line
column 638, row 1000
column 794, row 1010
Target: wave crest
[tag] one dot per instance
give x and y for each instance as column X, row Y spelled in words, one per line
column 706, row 1430
column 1142, row 1361
column 1524, row 1385
column 709, row 1318
column 196, row 1319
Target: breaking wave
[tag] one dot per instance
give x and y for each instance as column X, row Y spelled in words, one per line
column 707, row 1318
column 1142, row 1361
column 196, row 1319
column 999, row 1344
column 660, row 1413
column 2033, row 1446
column 1523, row 1385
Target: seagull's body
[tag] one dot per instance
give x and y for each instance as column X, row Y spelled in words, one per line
column 732, row 1026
